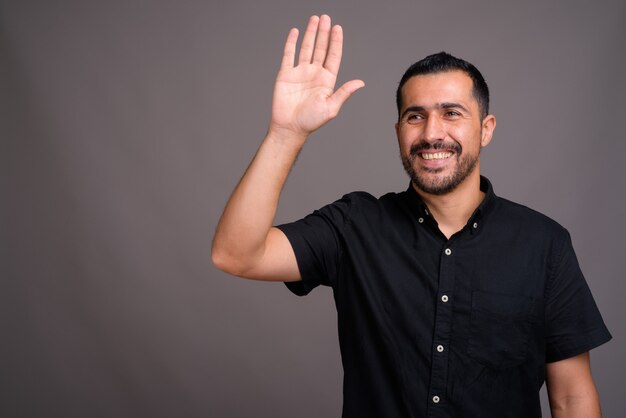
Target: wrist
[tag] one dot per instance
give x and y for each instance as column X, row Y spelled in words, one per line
column 286, row 137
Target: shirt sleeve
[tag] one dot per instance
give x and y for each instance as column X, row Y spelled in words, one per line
column 317, row 241
column 573, row 322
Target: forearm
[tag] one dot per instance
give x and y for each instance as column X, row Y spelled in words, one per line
column 571, row 389
column 242, row 231
column 577, row 407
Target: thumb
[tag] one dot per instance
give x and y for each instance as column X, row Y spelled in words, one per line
column 342, row 94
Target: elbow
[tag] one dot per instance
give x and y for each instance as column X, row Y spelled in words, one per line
column 220, row 259
column 217, row 259
column 234, row 257
column 226, row 262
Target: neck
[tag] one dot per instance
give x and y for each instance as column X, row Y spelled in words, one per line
column 453, row 210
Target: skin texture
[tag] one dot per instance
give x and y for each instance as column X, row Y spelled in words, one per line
column 439, row 113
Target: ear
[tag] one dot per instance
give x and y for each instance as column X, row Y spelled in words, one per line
column 488, row 126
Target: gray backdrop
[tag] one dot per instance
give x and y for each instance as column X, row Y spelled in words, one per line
column 126, row 124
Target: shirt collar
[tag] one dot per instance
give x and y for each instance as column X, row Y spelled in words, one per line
column 485, row 207
column 488, row 202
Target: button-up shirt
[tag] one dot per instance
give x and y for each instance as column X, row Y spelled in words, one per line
column 437, row 327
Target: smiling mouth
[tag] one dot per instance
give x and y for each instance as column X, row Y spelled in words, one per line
column 435, row 155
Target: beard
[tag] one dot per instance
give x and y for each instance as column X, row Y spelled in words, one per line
column 438, row 185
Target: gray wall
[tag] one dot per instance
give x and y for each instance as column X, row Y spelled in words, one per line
column 126, row 124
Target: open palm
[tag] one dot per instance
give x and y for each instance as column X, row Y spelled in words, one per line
column 304, row 95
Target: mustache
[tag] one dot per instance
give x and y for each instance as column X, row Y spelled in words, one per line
column 438, row 146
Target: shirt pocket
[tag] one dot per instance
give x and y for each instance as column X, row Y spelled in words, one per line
column 499, row 329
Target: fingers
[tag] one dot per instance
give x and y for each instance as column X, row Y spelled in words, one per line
column 321, row 44
column 308, row 42
column 289, row 52
column 333, row 57
column 343, row 93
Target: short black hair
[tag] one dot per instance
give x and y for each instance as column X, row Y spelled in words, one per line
column 442, row 62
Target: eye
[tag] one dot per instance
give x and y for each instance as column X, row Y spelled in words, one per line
column 413, row 118
column 452, row 113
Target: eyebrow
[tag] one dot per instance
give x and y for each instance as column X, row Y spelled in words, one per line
column 444, row 105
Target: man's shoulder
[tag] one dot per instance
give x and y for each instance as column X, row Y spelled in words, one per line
column 529, row 218
column 361, row 206
column 360, row 197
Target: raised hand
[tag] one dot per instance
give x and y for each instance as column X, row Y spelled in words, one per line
column 304, row 99
column 304, row 93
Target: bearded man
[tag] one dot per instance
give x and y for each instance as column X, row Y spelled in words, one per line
column 451, row 301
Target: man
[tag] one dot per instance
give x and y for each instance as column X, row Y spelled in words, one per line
column 451, row 301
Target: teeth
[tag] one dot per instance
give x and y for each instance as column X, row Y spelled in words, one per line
column 436, row 155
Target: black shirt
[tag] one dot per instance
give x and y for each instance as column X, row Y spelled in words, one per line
column 431, row 327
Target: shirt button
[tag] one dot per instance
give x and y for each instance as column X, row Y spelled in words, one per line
column 448, row 251
column 475, row 225
column 420, row 220
column 440, row 348
column 444, row 298
column 436, row 399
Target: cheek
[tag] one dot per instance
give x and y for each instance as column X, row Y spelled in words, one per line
column 459, row 133
column 406, row 138
column 468, row 137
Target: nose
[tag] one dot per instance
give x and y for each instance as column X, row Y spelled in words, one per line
column 433, row 129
